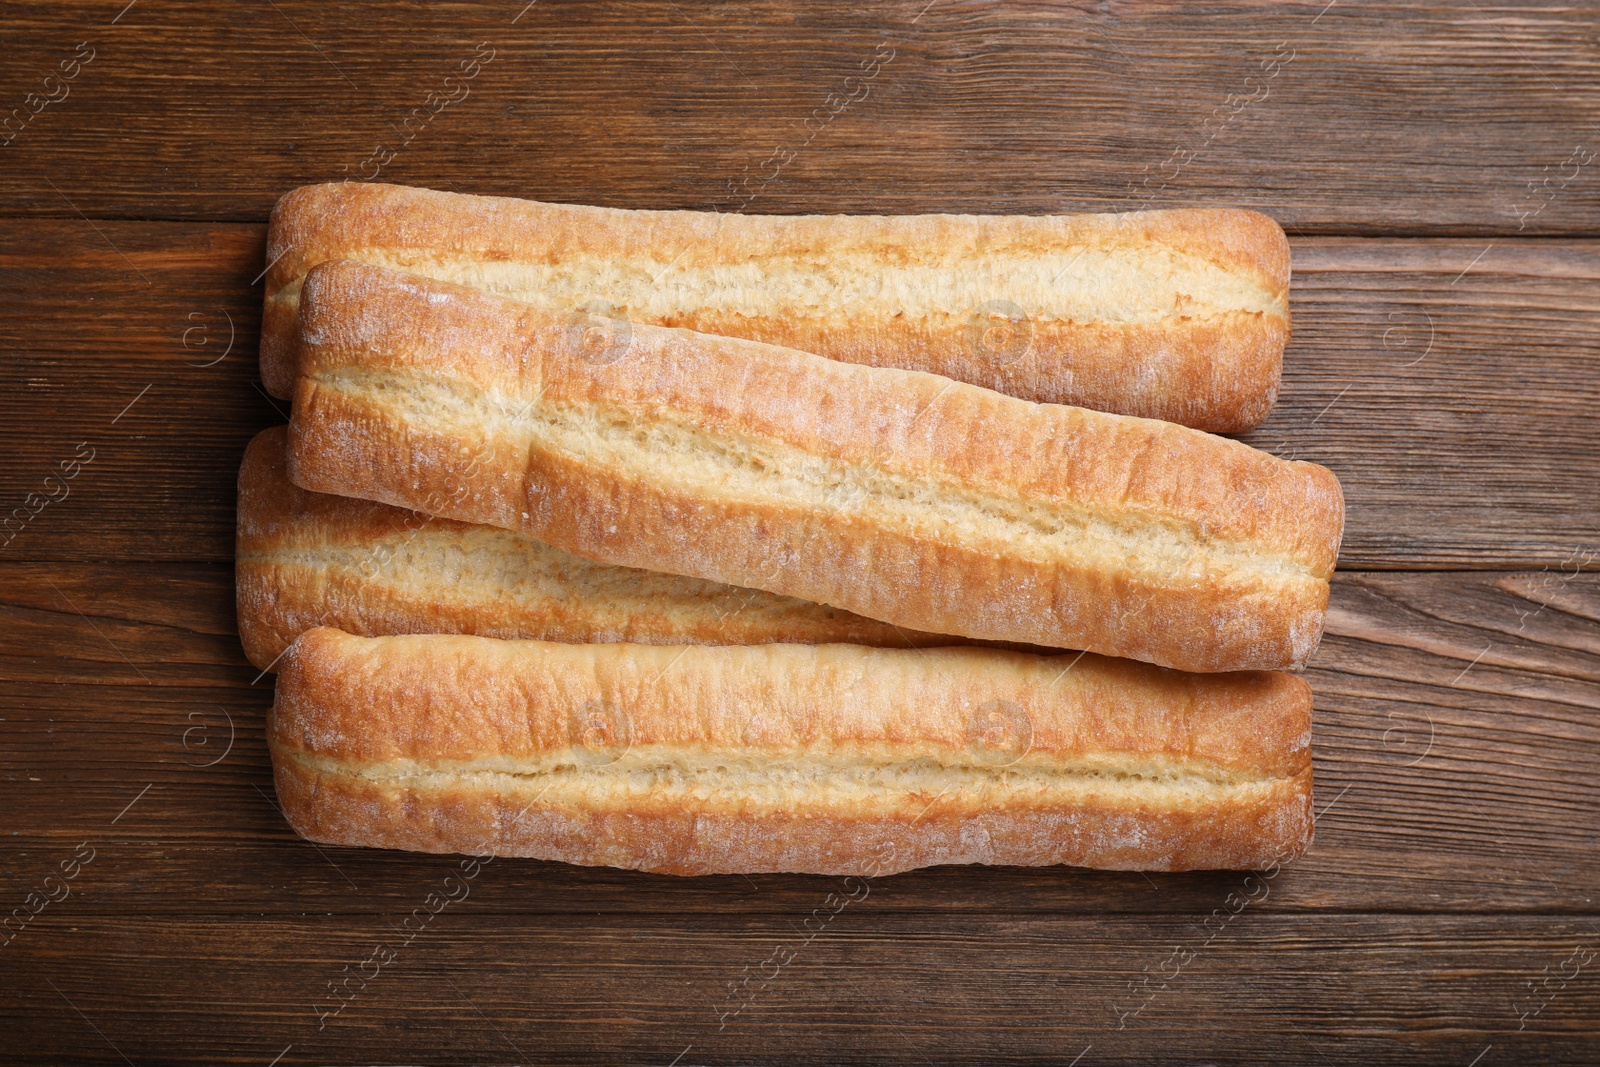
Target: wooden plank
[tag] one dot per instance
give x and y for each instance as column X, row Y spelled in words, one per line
column 1484, row 116
column 1443, row 364
column 1455, row 744
column 1451, row 388
column 132, row 346
column 892, row 988
column 1447, row 384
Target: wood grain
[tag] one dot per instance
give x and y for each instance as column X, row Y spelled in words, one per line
column 890, row 987
column 1455, row 407
column 1435, row 167
column 1351, row 119
column 1455, row 745
column 1445, row 382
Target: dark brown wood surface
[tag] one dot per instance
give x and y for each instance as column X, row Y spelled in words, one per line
column 1436, row 167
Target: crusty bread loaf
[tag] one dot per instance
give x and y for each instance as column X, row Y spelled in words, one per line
column 897, row 495
column 309, row 559
column 1179, row 315
column 832, row 759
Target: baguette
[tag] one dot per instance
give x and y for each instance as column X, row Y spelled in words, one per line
column 827, row 759
column 308, row 559
column 1179, row 315
column 897, row 495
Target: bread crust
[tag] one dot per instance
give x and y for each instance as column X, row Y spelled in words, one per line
column 1179, row 314
column 900, row 496
column 308, row 559
column 833, row 759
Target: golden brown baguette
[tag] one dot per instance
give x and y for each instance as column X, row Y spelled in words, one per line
column 309, row 559
column 1179, row 315
column 831, row 759
column 897, row 495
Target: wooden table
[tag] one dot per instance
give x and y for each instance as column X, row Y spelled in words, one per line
column 1436, row 167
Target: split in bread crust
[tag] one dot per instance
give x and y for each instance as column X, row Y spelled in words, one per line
column 831, row 759
column 1178, row 314
column 309, row 559
column 901, row 496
